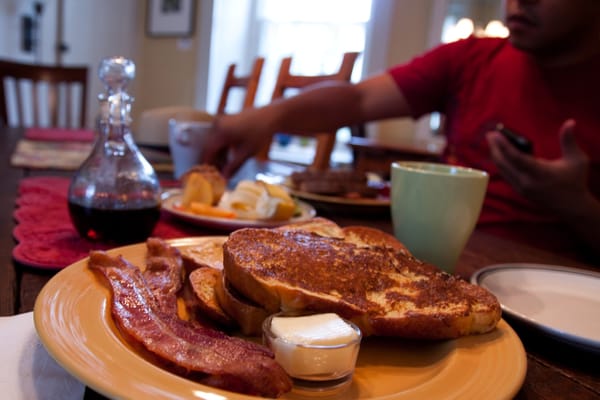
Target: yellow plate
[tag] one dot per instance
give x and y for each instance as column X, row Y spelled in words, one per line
column 72, row 318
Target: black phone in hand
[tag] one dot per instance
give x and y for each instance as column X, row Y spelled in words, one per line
column 520, row 142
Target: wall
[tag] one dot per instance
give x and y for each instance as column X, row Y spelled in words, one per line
column 174, row 71
column 92, row 30
column 165, row 67
column 402, row 28
column 93, row 33
column 11, row 12
column 168, row 66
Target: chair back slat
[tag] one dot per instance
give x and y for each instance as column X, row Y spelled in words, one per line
column 68, row 102
column 286, row 80
column 153, row 127
column 53, row 104
column 248, row 82
column 41, row 78
column 19, row 100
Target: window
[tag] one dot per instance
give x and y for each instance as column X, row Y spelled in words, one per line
column 314, row 32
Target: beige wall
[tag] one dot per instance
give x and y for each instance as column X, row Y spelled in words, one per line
column 409, row 36
column 167, row 68
column 410, row 30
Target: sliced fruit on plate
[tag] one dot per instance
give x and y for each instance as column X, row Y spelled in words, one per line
column 210, row 211
column 259, row 200
column 277, row 203
column 197, row 189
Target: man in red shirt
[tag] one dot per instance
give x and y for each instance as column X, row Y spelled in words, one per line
column 543, row 82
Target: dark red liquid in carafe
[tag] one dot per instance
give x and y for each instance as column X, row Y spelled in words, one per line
column 114, row 225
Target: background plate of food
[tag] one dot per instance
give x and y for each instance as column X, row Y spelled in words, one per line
column 223, row 218
column 342, row 191
column 205, row 200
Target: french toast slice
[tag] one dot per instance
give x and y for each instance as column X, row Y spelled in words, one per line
column 372, row 237
column 208, row 253
column 249, row 317
column 366, row 276
column 319, row 225
column 203, row 265
column 204, row 282
column 211, row 297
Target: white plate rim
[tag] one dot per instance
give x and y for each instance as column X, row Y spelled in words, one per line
column 169, row 196
column 582, row 342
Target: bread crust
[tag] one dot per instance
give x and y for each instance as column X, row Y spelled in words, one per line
column 319, row 225
column 372, row 237
column 249, row 317
column 208, row 253
column 204, row 282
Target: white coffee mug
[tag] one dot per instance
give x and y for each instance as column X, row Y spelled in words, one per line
column 186, row 142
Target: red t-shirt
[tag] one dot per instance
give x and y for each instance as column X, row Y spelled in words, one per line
column 478, row 82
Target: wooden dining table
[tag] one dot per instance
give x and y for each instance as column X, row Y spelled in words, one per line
column 555, row 369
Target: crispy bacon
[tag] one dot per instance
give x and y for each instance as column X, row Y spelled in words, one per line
column 226, row 362
column 164, row 273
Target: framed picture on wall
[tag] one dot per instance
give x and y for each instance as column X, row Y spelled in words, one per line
column 170, row 18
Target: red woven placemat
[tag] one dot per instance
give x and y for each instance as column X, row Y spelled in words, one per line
column 47, row 239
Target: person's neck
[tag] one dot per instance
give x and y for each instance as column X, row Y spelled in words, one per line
column 568, row 54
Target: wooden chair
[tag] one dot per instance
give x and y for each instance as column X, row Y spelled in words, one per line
column 43, row 90
column 249, row 82
column 286, row 80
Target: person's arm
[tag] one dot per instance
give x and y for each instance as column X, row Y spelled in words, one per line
column 559, row 185
column 322, row 108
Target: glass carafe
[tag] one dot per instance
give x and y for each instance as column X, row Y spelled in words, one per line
column 115, row 194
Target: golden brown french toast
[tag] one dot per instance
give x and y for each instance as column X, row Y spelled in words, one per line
column 371, row 237
column 213, row 298
column 204, row 282
column 248, row 316
column 319, row 225
column 221, row 301
column 367, row 277
column 203, row 264
column 208, row 253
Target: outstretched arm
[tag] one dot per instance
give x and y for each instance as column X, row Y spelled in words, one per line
column 321, row 108
column 560, row 185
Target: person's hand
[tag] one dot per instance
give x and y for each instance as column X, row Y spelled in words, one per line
column 560, row 185
column 235, row 138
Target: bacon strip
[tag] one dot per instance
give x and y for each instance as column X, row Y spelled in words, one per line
column 164, row 273
column 230, row 363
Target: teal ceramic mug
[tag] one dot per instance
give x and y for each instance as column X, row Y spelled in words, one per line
column 435, row 208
